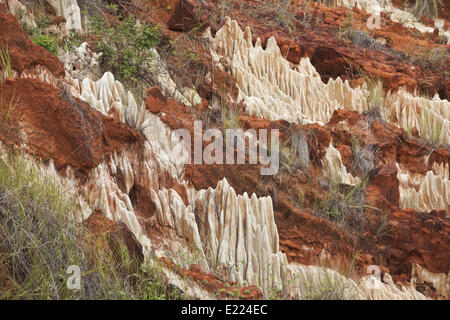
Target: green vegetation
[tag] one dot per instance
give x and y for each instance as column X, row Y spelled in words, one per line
column 5, row 113
column 379, row 224
column 283, row 16
column 126, row 49
column 375, row 100
column 8, row 124
column 71, row 42
column 39, row 240
column 229, row 116
column 48, row 42
column 39, row 33
column 430, row 130
column 375, row 93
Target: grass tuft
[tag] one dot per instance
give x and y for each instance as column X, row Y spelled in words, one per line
column 426, row 8
column 5, row 63
column 39, row 240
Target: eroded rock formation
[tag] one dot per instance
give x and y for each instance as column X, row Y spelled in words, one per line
column 120, row 159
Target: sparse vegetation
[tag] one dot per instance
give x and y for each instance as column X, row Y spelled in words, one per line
column 48, row 42
column 71, row 41
column 126, row 49
column 364, row 158
column 274, row 12
column 5, row 63
column 39, row 239
column 429, row 128
column 344, row 205
column 8, row 126
column 329, row 287
column 349, row 33
column 375, row 94
column 379, row 225
column 39, row 34
column 294, row 153
column 229, row 115
column 427, row 8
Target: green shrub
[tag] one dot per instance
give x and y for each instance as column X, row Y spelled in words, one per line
column 48, row 42
column 126, row 48
column 71, row 41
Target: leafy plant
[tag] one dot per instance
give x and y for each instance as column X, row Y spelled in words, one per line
column 48, row 42
column 43, row 21
column 126, row 49
column 71, row 41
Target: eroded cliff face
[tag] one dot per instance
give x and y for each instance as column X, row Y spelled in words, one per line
column 117, row 152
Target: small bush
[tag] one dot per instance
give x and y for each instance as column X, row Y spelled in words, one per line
column 71, row 41
column 360, row 38
column 126, row 48
column 344, row 205
column 438, row 57
column 48, row 42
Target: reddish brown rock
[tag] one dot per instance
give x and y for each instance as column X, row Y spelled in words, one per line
column 60, row 127
column 383, row 188
column 187, row 14
column 115, row 234
column 329, row 63
column 24, row 53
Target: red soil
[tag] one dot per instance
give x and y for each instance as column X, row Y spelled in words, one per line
column 111, row 235
column 59, row 127
column 24, row 53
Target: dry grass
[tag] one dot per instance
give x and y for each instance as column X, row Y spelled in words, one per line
column 39, row 240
